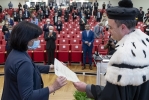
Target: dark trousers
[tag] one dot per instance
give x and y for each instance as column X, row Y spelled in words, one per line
column 98, row 19
column 50, row 54
column 89, row 52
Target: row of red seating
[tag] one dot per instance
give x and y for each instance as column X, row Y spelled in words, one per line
column 63, row 52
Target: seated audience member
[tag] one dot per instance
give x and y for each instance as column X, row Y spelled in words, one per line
column 46, row 12
column 15, row 15
column 46, row 26
column 98, row 29
column 50, row 37
column 10, row 5
column 55, row 18
column 1, row 9
column 6, row 16
column 59, row 25
column 34, row 20
column 82, row 23
column 110, row 46
column 7, row 39
column 26, row 14
column 5, row 28
column 25, row 79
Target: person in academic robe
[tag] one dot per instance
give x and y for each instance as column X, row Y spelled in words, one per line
column 128, row 69
column 15, row 16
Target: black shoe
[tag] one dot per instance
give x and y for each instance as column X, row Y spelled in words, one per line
column 90, row 67
column 83, row 67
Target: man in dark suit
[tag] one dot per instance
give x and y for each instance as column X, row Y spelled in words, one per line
column 82, row 23
column 74, row 15
column 87, row 46
column 26, row 14
column 50, row 38
column 46, row 26
column 25, row 6
column 59, row 12
column 66, row 17
column 55, row 18
column 95, row 5
column 140, row 15
column 15, row 16
column 46, row 12
column 51, row 5
column 74, row 5
column 59, row 25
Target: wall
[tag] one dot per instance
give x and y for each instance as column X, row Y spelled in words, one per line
column 141, row 3
column 15, row 3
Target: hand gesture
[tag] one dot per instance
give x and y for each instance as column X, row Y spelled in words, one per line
column 59, row 82
column 51, row 66
column 86, row 42
column 80, row 86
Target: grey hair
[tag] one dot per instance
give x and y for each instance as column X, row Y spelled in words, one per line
column 129, row 23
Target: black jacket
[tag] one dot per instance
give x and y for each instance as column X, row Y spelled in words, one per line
column 22, row 78
column 59, row 26
column 50, row 41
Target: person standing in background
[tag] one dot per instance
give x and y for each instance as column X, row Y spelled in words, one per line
column 103, row 5
column 87, row 40
column 10, row 5
column 7, row 39
column 1, row 9
column 109, row 5
column 83, row 22
column 98, row 29
column 55, row 18
column 50, row 38
column 25, row 6
column 59, row 25
column 34, row 20
column 46, row 26
column 140, row 15
column 95, row 6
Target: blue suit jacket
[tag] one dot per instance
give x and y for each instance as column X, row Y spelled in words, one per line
column 90, row 39
column 22, row 78
column 11, row 22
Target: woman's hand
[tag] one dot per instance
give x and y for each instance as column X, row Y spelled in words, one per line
column 59, row 82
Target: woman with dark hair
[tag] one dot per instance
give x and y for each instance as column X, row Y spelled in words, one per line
column 22, row 77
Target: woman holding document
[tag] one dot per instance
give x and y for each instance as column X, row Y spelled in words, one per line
column 22, row 77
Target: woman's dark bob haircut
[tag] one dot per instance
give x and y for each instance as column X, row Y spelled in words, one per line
column 22, row 33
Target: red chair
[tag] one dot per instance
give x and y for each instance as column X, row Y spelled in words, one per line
column 3, row 42
column 75, row 41
column 97, row 41
column 38, row 54
column 63, row 52
column 76, row 53
column 42, row 41
column 2, row 54
column 78, row 36
column 59, row 36
column 63, row 41
column 102, row 50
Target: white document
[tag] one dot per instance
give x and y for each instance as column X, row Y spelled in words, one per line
column 62, row 70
